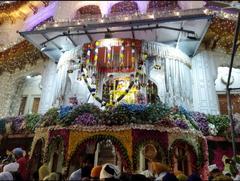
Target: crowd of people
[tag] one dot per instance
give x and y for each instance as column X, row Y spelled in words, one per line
column 16, row 168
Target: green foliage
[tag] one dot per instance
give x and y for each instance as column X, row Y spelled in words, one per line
column 117, row 116
column 85, row 108
column 221, row 122
column 31, row 121
column 51, row 117
column 2, row 126
column 155, row 112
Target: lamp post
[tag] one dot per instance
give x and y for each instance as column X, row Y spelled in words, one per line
column 228, row 89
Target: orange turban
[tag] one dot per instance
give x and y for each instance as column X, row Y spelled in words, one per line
column 95, row 173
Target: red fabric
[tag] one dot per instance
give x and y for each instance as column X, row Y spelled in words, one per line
column 23, row 167
column 109, row 61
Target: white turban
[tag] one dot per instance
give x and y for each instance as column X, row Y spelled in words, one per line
column 110, row 171
column 6, row 176
column 11, row 167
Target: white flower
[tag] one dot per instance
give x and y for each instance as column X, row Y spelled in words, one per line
column 212, row 129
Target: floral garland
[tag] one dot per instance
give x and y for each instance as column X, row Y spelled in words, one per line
column 103, row 103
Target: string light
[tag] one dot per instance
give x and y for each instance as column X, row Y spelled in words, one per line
column 6, row 46
column 18, row 10
column 112, row 17
column 18, row 56
column 220, row 35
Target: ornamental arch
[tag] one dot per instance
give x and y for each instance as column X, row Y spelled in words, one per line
column 140, row 162
column 183, row 157
column 83, row 151
column 55, row 154
column 37, row 154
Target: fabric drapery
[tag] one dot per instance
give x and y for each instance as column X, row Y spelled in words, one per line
column 177, row 86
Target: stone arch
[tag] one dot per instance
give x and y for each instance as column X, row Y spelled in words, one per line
column 183, row 156
column 124, row 155
column 124, row 7
column 138, row 148
column 88, row 10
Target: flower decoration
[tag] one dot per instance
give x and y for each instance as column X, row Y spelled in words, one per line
column 220, row 122
column 124, row 7
column 31, row 121
column 201, row 120
column 157, row 111
column 51, row 117
column 181, row 124
column 162, row 5
column 16, row 123
column 220, row 35
column 212, row 129
column 84, row 108
column 85, row 119
column 87, row 10
column 64, row 110
column 18, row 56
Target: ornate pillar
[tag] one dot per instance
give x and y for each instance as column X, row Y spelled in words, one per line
column 204, row 73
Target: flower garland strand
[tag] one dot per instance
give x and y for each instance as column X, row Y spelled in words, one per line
column 103, row 103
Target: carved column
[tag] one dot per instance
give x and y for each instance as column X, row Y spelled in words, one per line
column 204, row 73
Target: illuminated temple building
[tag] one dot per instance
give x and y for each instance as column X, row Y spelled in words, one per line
column 125, row 73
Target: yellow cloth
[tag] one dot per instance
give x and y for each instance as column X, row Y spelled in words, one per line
column 43, row 171
column 96, row 171
column 51, row 177
column 222, row 178
column 158, row 168
column 182, row 177
column 178, row 172
column 226, row 165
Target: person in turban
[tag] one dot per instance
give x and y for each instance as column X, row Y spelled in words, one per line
column 110, row 172
column 95, row 172
column 22, row 161
column 6, row 176
column 43, row 171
